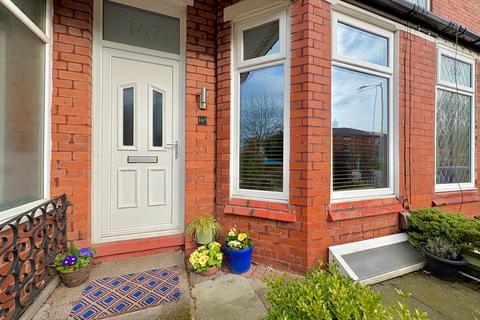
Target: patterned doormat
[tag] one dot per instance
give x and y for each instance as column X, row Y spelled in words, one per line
column 130, row 292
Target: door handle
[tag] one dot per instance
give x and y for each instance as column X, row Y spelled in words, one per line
column 173, row 146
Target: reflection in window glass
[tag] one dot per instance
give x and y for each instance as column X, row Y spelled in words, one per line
column 453, row 137
column 157, row 119
column 261, row 41
column 128, row 116
column 456, row 71
column 22, row 70
column 261, row 129
column 360, row 130
column 34, row 10
column 361, row 45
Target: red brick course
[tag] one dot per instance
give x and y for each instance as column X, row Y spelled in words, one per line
column 71, row 111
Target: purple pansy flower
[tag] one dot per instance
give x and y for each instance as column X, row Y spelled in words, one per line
column 69, row 261
column 86, row 252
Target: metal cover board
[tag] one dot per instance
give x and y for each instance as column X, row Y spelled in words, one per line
column 381, row 260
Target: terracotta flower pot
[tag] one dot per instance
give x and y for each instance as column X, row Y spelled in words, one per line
column 75, row 278
column 209, row 272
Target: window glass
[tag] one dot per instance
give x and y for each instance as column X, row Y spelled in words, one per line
column 261, row 41
column 361, row 45
column 34, row 9
column 261, row 129
column 453, row 137
column 141, row 28
column 455, row 71
column 22, row 70
column 157, row 119
column 360, row 130
column 128, row 116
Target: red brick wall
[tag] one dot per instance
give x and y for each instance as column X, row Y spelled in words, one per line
column 200, row 139
column 464, row 12
column 71, row 111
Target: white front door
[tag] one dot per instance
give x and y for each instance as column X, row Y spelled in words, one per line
column 139, row 153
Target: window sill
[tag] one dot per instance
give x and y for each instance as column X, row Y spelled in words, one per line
column 455, row 197
column 13, row 212
column 360, row 209
column 261, row 209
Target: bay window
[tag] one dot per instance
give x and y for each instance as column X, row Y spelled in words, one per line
column 362, row 125
column 23, row 61
column 260, row 108
column 455, row 122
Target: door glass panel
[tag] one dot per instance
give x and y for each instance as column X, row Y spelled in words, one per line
column 128, row 115
column 157, row 119
column 141, row 28
column 262, row 40
column 361, row 45
column 22, row 107
column 34, row 10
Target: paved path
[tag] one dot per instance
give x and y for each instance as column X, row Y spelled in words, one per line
column 441, row 299
column 222, row 296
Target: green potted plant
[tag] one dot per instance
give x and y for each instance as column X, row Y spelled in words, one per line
column 238, row 249
column 443, row 259
column 73, row 265
column 203, row 228
column 206, row 259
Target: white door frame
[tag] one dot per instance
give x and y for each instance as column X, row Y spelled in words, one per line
column 171, row 8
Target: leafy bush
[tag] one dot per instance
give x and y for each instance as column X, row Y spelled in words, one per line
column 462, row 232
column 328, row 295
column 442, row 248
column 74, row 259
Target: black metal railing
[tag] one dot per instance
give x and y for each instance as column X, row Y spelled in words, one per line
column 30, row 242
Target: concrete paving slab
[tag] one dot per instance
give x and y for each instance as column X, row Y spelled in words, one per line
column 226, row 296
column 59, row 304
column 441, row 299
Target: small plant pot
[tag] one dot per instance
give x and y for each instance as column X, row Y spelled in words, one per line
column 443, row 268
column 239, row 261
column 204, row 238
column 209, row 272
column 75, row 278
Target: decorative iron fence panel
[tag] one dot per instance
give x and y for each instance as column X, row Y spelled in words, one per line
column 30, row 242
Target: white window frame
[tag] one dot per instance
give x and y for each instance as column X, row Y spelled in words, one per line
column 368, row 68
column 46, row 37
column 238, row 66
column 463, row 90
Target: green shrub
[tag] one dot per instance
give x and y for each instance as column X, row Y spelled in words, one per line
column 328, row 295
column 457, row 229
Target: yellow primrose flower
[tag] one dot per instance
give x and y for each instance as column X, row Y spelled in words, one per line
column 232, row 232
column 203, row 260
column 242, row 236
column 213, row 245
column 219, row 256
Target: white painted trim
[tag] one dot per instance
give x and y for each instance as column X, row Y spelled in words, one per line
column 26, row 20
column 98, row 45
column 335, row 254
column 238, row 66
column 449, row 51
column 47, row 138
column 248, row 8
column 389, row 72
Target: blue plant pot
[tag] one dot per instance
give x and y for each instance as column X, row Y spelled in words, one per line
column 239, row 261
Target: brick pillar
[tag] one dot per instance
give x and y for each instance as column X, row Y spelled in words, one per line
column 200, row 139
column 71, row 111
